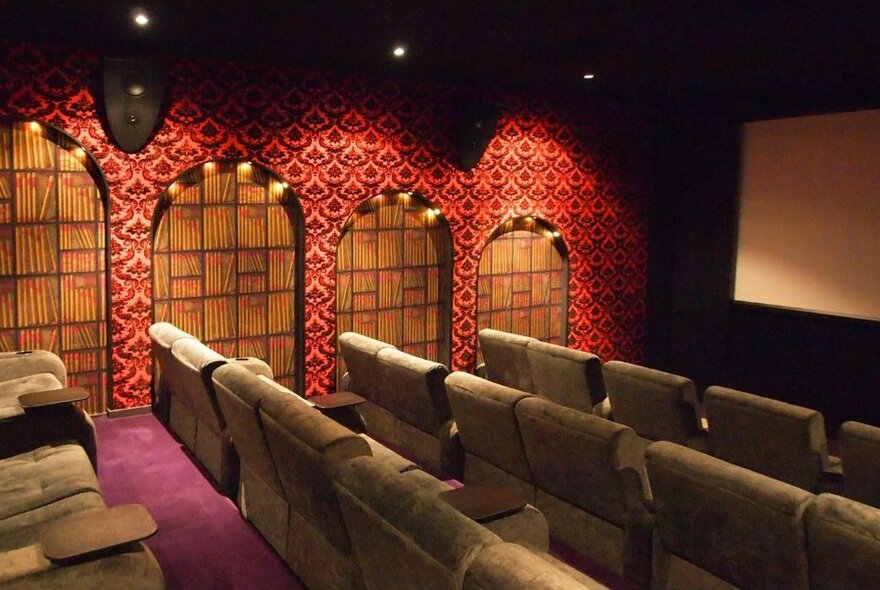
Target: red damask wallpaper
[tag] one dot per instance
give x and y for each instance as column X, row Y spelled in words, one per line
column 339, row 140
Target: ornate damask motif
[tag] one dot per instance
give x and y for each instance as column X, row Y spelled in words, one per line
column 337, row 139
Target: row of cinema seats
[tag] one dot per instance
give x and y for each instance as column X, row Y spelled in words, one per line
column 346, row 512
column 55, row 528
column 781, row 440
column 587, row 476
column 584, row 473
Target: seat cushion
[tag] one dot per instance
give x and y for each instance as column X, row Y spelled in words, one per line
column 12, row 388
column 34, row 479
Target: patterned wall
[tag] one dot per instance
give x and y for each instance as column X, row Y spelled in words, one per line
column 522, row 279
column 335, row 139
column 225, row 263
column 394, row 276
column 53, row 255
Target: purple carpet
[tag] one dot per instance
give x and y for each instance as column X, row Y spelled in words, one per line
column 203, row 542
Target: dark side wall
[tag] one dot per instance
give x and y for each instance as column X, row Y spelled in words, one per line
column 693, row 327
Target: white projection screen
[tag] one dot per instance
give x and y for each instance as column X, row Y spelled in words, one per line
column 809, row 224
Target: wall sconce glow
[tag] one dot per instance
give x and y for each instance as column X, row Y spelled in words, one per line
column 556, row 234
column 79, row 153
column 34, row 126
column 589, row 76
column 437, row 211
column 398, row 51
column 284, row 185
column 209, row 165
column 140, row 18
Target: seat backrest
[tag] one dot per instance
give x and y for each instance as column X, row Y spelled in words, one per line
column 486, row 419
column 738, row 525
column 860, row 453
column 359, row 353
column 775, row 438
column 305, row 445
column 507, row 566
column 506, row 358
column 657, row 405
column 240, row 394
column 569, row 377
column 405, row 537
column 162, row 336
column 592, row 463
column 843, row 544
column 189, row 378
column 413, row 389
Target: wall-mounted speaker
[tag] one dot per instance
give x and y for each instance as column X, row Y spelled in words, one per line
column 475, row 125
column 133, row 92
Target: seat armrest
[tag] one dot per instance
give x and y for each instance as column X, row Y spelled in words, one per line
column 480, row 371
column 603, row 409
column 40, row 399
column 92, row 531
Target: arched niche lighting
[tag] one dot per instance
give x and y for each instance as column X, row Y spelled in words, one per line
column 394, row 275
column 53, row 254
column 228, row 263
column 522, row 280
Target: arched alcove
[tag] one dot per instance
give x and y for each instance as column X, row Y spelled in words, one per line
column 53, row 254
column 394, row 275
column 227, row 263
column 522, row 281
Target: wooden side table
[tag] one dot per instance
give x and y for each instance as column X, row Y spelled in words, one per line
column 484, row 502
column 39, row 399
column 96, row 530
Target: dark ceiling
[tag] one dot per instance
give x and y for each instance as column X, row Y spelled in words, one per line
column 646, row 48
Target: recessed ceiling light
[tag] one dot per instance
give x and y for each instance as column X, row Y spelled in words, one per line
column 140, row 18
column 398, row 51
column 589, row 76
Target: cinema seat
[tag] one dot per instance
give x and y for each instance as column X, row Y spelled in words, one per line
column 860, row 456
column 39, row 489
column 657, row 405
column 843, row 544
column 780, row 440
column 406, row 537
column 506, row 358
column 485, row 415
column 196, row 416
column 588, row 473
column 572, row 378
column 723, row 526
column 24, row 430
column 162, row 336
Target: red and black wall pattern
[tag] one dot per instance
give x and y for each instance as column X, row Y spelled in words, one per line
column 337, row 139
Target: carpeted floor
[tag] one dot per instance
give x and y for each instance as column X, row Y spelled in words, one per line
column 203, row 543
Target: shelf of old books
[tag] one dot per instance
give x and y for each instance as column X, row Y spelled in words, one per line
column 225, row 241
column 394, row 275
column 53, row 254
column 522, row 281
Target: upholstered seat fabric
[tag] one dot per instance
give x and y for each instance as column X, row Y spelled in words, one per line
column 781, row 440
column 737, row 525
column 569, row 377
column 860, row 453
column 506, row 357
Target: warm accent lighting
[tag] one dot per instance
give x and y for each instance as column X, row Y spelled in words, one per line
column 284, row 185
column 35, row 126
column 209, row 165
column 398, row 51
column 140, row 18
column 436, row 210
column 79, row 153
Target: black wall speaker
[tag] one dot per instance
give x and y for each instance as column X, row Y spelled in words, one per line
column 475, row 125
column 133, row 94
